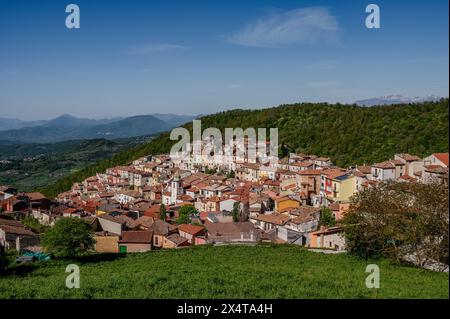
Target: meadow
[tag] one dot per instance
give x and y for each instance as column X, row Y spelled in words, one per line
column 263, row 271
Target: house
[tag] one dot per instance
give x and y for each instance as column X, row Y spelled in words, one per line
column 127, row 196
column 111, row 224
column 284, row 203
column 412, row 163
column 161, row 229
column 322, row 162
column 308, row 181
column 175, row 241
column 326, row 179
column 106, row 209
column 235, row 232
column 331, row 238
column 37, row 200
column 440, row 159
column 142, row 223
column 339, row 209
column 343, row 187
column 298, row 228
column 190, row 232
column 301, row 166
column 361, row 174
column 15, row 203
column 268, row 222
column 218, row 217
column 435, row 173
column 135, row 241
column 304, row 219
column 227, row 204
column 267, row 172
column 13, row 234
column 7, row 192
column 387, row 170
column 106, row 242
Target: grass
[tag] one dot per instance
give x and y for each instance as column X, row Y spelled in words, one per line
column 264, row 271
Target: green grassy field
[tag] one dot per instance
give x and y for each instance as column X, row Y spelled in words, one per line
column 264, row 271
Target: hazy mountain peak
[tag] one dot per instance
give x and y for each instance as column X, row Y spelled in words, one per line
column 397, row 99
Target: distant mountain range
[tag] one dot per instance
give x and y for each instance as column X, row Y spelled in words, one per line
column 67, row 127
column 396, row 99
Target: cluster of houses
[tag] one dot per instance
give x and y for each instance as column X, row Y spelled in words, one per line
column 250, row 203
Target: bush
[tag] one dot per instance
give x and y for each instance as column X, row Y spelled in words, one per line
column 69, row 237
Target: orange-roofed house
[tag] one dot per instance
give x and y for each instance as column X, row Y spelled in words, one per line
column 270, row 221
column 440, row 159
column 331, row 238
column 284, row 203
column 190, row 232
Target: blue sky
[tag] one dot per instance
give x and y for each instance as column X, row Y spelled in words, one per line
column 191, row 57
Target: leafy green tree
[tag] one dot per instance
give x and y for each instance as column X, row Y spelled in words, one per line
column 183, row 219
column 185, row 214
column 162, row 212
column 400, row 220
column 69, row 237
column 327, row 218
column 187, row 210
column 210, row 171
column 231, row 174
column 34, row 224
column 236, row 212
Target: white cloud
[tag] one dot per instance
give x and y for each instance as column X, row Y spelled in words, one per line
column 311, row 25
column 154, row 48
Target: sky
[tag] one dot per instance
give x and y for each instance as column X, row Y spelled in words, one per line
column 199, row 57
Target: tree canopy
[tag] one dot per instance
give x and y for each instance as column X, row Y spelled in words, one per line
column 69, row 237
column 402, row 221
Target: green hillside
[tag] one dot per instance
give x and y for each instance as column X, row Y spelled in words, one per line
column 263, row 271
column 348, row 134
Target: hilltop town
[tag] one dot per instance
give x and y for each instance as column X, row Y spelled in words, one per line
column 142, row 206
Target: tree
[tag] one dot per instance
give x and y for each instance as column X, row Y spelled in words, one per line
column 69, row 237
column 236, row 212
column 231, row 174
column 34, row 225
column 402, row 221
column 188, row 210
column 162, row 212
column 185, row 214
column 183, row 219
column 240, row 214
column 327, row 218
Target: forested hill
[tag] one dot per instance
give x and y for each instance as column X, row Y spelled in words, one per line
column 348, row 134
